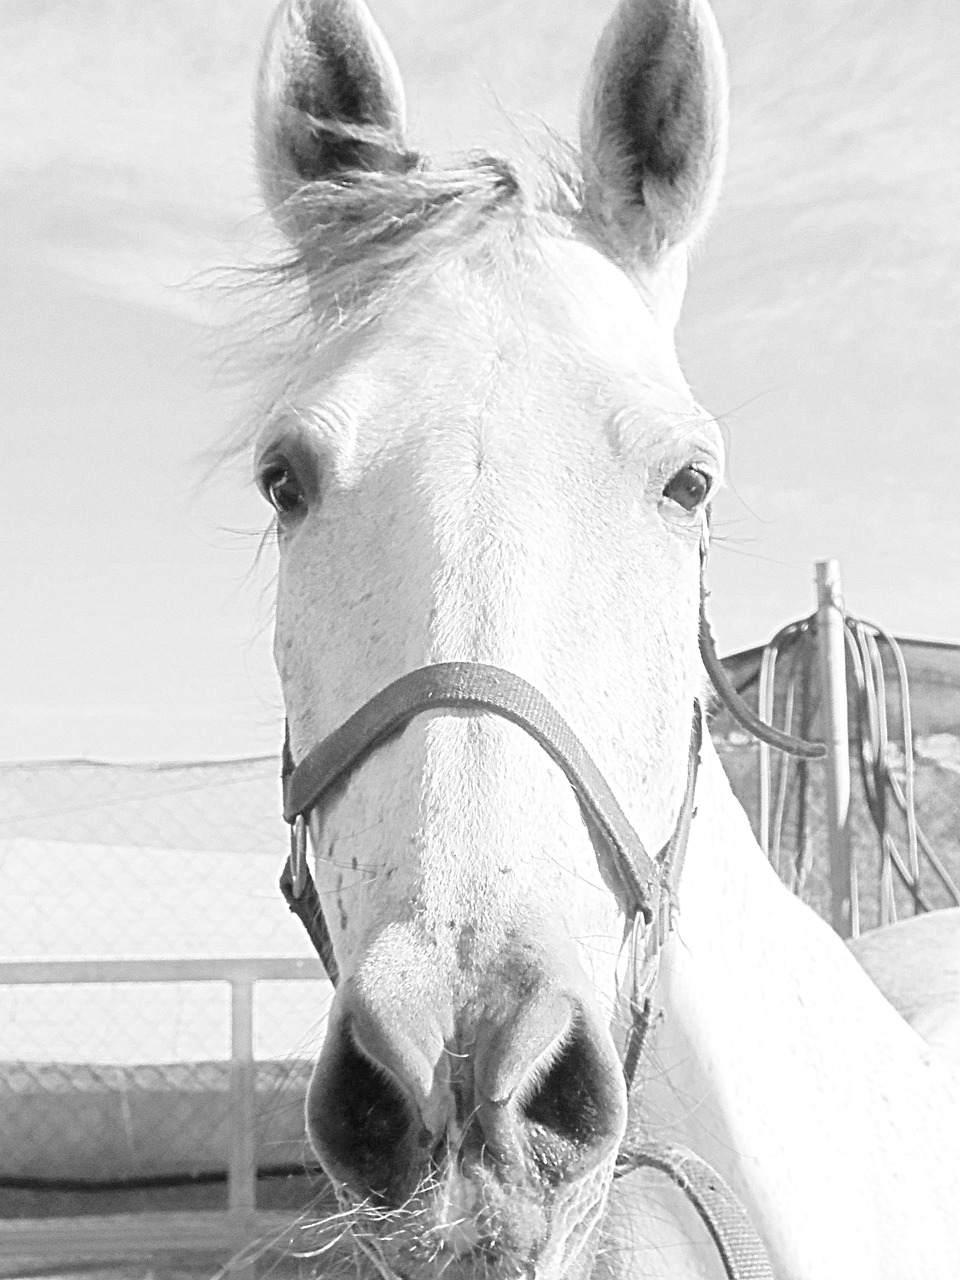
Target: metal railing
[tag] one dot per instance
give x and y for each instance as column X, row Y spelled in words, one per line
column 240, row 1230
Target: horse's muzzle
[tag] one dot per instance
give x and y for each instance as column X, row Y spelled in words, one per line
column 526, row 1093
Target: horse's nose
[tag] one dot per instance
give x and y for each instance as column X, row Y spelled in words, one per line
column 541, row 1095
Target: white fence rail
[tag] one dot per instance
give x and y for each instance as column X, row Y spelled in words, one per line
column 240, row 1230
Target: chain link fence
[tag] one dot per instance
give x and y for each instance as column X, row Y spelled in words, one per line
column 65, row 1126
column 229, row 804
column 129, row 1083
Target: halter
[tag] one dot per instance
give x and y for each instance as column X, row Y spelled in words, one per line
column 647, row 886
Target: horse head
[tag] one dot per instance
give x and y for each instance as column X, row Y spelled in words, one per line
column 480, row 448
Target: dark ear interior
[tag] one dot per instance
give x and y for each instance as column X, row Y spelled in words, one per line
column 337, row 87
column 653, row 123
column 330, row 98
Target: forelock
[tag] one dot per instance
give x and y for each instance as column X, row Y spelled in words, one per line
column 368, row 239
column 365, row 236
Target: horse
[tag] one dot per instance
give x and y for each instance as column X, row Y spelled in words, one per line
column 482, row 455
column 916, row 964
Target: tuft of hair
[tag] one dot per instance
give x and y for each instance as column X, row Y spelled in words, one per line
column 366, row 236
column 366, row 239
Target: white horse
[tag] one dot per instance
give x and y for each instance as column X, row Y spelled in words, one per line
column 916, row 964
column 480, row 447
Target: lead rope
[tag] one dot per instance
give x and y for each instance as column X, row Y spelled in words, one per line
column 741, row 1250
column 756, row 727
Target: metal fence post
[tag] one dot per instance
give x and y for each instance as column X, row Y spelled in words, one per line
column 844, row 907
column 242, row 1196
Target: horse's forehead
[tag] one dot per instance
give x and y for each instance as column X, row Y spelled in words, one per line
column 570, row 300
column 579, row 294
column 565, row 326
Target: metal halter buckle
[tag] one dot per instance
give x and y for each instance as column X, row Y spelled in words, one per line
column 298, row 855
column 648, row 942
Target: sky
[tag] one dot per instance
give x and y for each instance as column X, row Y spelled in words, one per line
column 822, row 326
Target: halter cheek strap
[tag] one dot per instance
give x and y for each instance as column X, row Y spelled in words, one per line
column 299, row 890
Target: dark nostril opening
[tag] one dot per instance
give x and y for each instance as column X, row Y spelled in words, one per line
column 564, row 1101
column 575, row 1109
column 359, row 1120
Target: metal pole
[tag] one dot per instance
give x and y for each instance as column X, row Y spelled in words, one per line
column 242, row 1196
column 844, row 907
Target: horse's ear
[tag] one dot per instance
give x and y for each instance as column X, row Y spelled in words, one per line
column 329, row 99
column 653, row 126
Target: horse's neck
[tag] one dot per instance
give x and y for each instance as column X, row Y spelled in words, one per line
column 777, row 1060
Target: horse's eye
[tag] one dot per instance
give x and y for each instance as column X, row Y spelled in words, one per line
column 688, row 488
column 282, row 490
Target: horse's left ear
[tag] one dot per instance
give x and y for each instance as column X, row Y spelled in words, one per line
column 653, row 127
column 329, row 101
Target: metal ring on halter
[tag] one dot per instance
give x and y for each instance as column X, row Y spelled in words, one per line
column 298, row 855
column 647, row 944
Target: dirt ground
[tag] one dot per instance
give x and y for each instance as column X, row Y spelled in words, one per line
column 296, row 1194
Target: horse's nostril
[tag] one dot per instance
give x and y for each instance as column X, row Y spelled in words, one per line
column 565, row 1100
column 575, row 1115
column 358, row 1119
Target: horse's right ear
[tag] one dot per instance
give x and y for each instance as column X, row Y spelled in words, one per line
column 329, row 100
